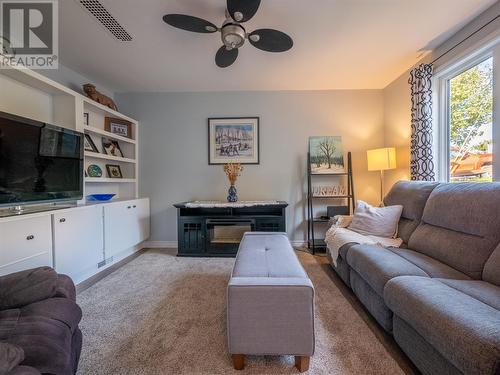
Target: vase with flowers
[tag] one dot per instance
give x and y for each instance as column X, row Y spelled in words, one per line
column 232, row 171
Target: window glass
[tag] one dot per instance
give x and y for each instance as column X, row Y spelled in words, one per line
column 470, row 104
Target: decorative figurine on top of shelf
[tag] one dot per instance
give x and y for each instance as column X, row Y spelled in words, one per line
column 233, row 171
column 95, row 95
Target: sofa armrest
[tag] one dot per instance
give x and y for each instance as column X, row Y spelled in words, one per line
column 25, row 287
column 65, row 287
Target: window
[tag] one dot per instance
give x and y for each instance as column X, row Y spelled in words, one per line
column 470, row 103
column 467, row 132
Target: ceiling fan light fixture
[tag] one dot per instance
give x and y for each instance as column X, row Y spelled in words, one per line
column 233, row 35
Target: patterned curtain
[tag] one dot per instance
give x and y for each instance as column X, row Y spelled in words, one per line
column 421, row 159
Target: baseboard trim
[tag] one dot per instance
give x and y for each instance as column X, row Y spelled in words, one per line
column 102, row 274
column 161, row 244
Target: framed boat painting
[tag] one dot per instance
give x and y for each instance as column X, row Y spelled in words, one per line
column 233, row 140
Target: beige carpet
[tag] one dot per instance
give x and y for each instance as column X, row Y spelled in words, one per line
column 161, row 314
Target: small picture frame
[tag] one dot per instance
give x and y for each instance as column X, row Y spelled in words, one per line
column 114, row 171
column 90, row 145
column 85, row 119
column 118, row 126
column 111, row 147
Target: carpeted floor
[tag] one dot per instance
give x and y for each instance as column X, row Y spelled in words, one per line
column 160, row 314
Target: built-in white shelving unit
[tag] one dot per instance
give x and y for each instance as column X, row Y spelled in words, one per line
column 48, row 101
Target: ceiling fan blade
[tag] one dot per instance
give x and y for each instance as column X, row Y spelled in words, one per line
column 225, row 57
column 242, row 10
column 190, row 23
column 270, row 40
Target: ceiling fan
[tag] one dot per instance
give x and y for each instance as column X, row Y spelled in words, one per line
column 233, row 34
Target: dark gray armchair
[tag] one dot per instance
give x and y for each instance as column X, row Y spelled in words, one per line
column 39, row 319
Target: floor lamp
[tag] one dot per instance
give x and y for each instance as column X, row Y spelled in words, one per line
column 381, row 159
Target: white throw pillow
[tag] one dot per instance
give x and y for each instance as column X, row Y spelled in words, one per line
column 376, row 221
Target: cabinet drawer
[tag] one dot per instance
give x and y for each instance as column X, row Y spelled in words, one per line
column 25, row 243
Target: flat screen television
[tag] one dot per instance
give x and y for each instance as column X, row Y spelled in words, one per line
column 39, row 163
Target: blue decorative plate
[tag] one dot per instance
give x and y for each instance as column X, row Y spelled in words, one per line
column 100, row 197
column 94, row 170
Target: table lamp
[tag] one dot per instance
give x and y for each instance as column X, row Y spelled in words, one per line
column 381, row 159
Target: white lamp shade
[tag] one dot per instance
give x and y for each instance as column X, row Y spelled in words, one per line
column 381, row 159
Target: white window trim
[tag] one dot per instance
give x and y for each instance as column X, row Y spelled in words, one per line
column 441, row 147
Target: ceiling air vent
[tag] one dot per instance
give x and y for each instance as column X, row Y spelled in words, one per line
column 95, row 8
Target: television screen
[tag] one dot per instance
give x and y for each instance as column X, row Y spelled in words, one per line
column 38, row 162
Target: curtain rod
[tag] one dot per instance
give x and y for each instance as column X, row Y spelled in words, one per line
column 463, row 40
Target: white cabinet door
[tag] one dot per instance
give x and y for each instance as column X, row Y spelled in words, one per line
column 78, row 241
column 126, row 224
column 142, row 215
column 25, row 243
column 119, row 228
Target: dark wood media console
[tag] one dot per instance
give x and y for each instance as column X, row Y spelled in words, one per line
column 217, row 231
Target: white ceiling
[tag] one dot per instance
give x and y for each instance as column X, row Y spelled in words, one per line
column 338, row 44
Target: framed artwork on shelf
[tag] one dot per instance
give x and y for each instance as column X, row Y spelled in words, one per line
column 114, row 171
column 89, row 144
column 233, row 140
column 326, row 155
column 118, row 126
column 85, row 119
column 111, row 147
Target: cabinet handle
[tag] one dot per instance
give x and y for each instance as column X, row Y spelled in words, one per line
column 30, row 237
column 62, row 220
column 129, row 207
column 134, row 206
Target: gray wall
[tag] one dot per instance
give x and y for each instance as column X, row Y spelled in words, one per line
column 174, row 147
column 74, row 80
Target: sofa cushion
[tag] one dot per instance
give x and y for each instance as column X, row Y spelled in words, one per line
column 462, row 329
column 491, row 271
column 430, row 266
column 460, row 226
column 481, row 290
column 377, row 265
column 263, row 254
column 412, row 195
column 63, row 310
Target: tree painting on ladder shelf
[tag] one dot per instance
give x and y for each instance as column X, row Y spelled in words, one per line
column 326, row 155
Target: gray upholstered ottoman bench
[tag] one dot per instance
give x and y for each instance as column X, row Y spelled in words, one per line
column 270, row 302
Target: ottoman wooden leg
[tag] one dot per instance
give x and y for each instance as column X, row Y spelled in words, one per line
column 238, row 361
column 302, row 363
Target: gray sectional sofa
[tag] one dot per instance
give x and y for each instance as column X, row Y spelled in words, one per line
column 439, row 294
